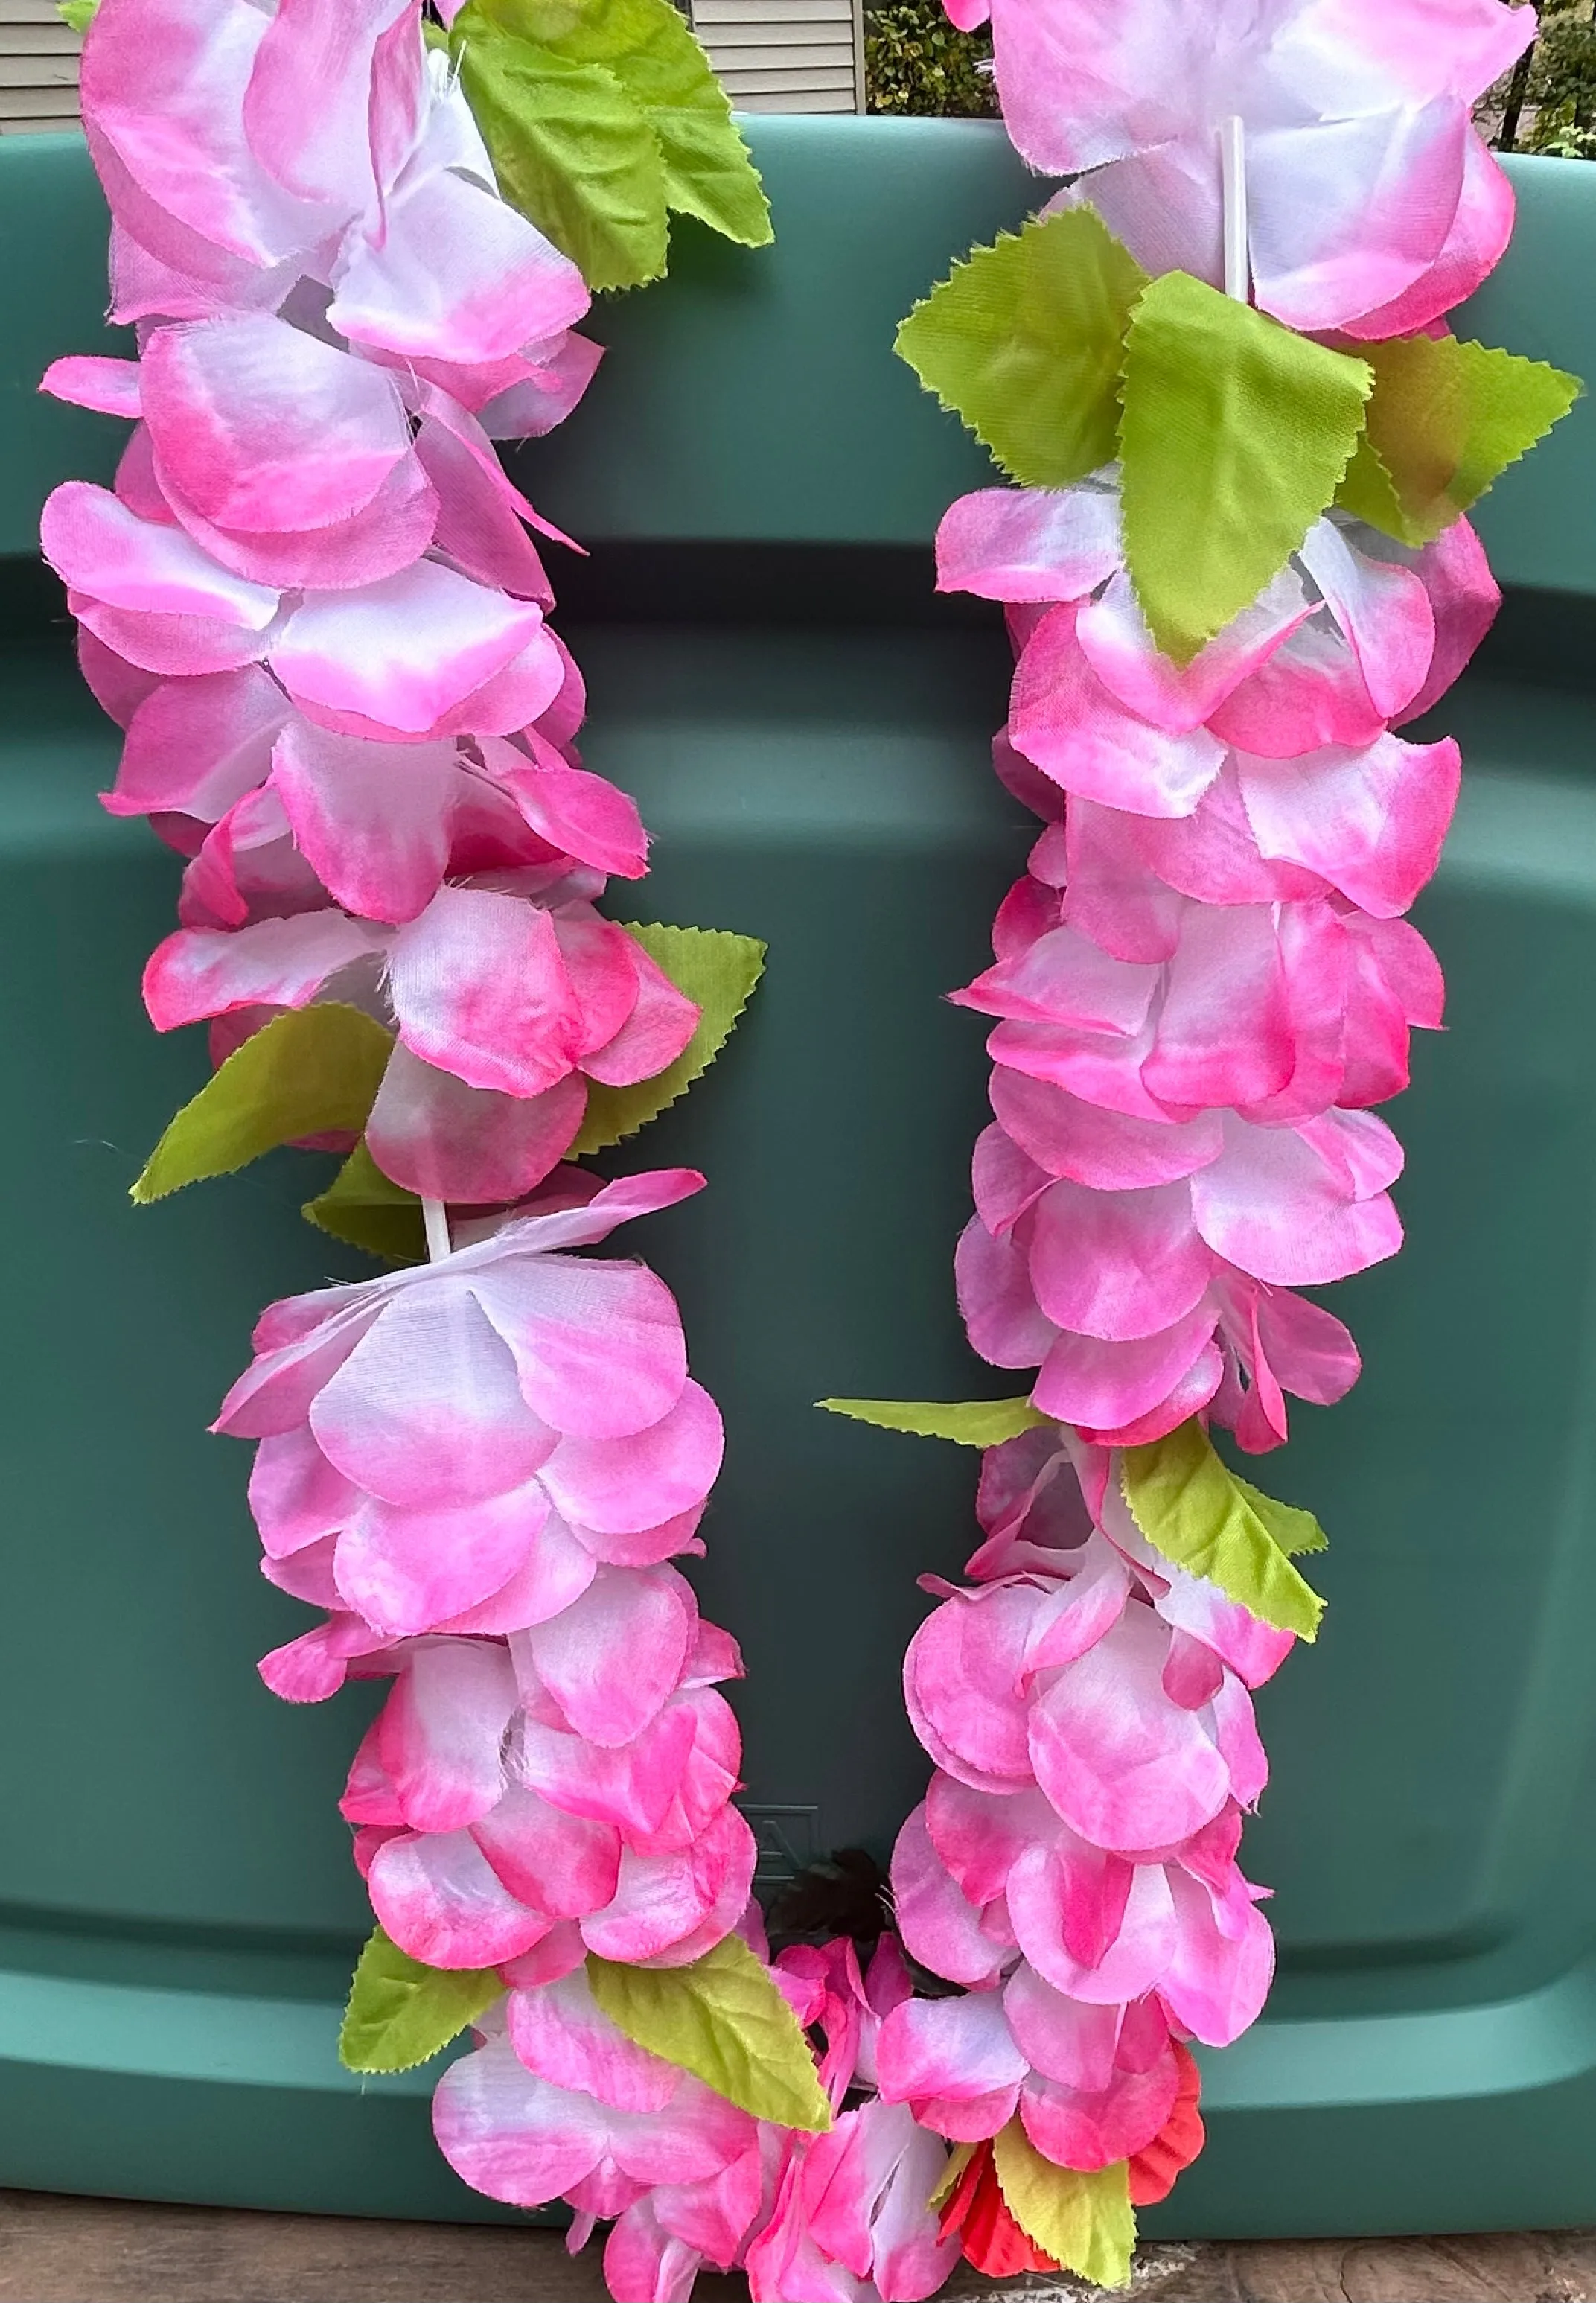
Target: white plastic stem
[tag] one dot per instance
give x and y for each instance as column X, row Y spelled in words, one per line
column 435, row 1215
column 1232, row 171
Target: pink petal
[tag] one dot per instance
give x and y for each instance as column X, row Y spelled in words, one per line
column 97, row 546
column 939, row 1924
column 560, row 2034
column 1064, row 721
column 598, row 1346
column 198, row 745
column 296, row 1495
column 1134, row 1960
column 480, row 988
column 1103, row 1386
column 1106, row 1150
column 371, row 819
column 322, row 149
column 431, row 1132
column 276, row 963
column 1383, row 609
column 1218, row 1977
column 426, row 1409
column 623, row 1486
column 663, row 1901
column 567, row 1865
column 409, row 1571
column 1028, row 544
column 439, row 1733
column 1116, row 1264
column 402, row 654
column 1371, row 822
column 1123, row 1765
column 88, row 381
column 437, row 1898
column 257, row 425
column 1115, row 641
column 613, row 1658
column 458, row 275
column 510, row 2136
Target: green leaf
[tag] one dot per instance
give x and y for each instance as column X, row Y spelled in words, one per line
column 1193, row 1509
column 1445, row 419
column 1024, row 341
column 1085, row 2222
column 724, row 2020
column 570, row 150
column 1235, row 435
column 959, row 2158
column 649, row 47
column 969, row 1422
column 362, row 1206
column 400, row 2014
column 305, row 1074
column 715, row 969
column 78, row 13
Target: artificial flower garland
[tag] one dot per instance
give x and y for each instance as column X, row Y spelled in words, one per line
column 356, row 247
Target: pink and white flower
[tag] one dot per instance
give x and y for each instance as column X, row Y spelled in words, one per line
column 1373, row 205
column 481, row 1434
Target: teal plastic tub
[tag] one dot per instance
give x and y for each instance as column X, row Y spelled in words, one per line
column 807, row 729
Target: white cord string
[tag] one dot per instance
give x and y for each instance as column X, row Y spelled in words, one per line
column 435, row 1215
column 1232, row 171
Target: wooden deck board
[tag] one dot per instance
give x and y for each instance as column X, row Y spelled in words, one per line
column 56, row 2249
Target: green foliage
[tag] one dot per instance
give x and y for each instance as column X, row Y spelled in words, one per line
column 1024, row 341
column 402, row 2013
column 969, row 1423
column 724, row 2020
column 312, row 1073
column 602, row 118
column 1446, row 418
column 362, row 1206
column 1562, row 84
column 78, row 13
column 1235, row 437
column 916, row 61
column 1192, row 1507
column 718, row 971
column 1085, row 2222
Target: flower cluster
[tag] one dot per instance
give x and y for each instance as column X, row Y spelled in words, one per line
column 1205, row 979
column 311, row 598
column 1200, row 988
column 314, row 603
column 1074, row 1863
column 1376, row 205
column 556, row 2101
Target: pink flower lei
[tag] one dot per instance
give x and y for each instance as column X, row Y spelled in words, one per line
column 314, row 602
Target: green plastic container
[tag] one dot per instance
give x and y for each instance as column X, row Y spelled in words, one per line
column 807, row 729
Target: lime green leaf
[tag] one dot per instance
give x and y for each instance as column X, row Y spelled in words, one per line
column 570, row 150
column 1024, row 344
column 399, row 2012
column 1445, row 419
column 1235, row 435
column 1193, row 1509
column 715, row 969
column 959, row 2158
column 1085, row 2222
column 78, row 13
column 303, row 1074
column 970, row 1422
column 649, row 47
column 432, row 35
column 362, row 1206
column 1294, row 1529
column 724, row 2020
